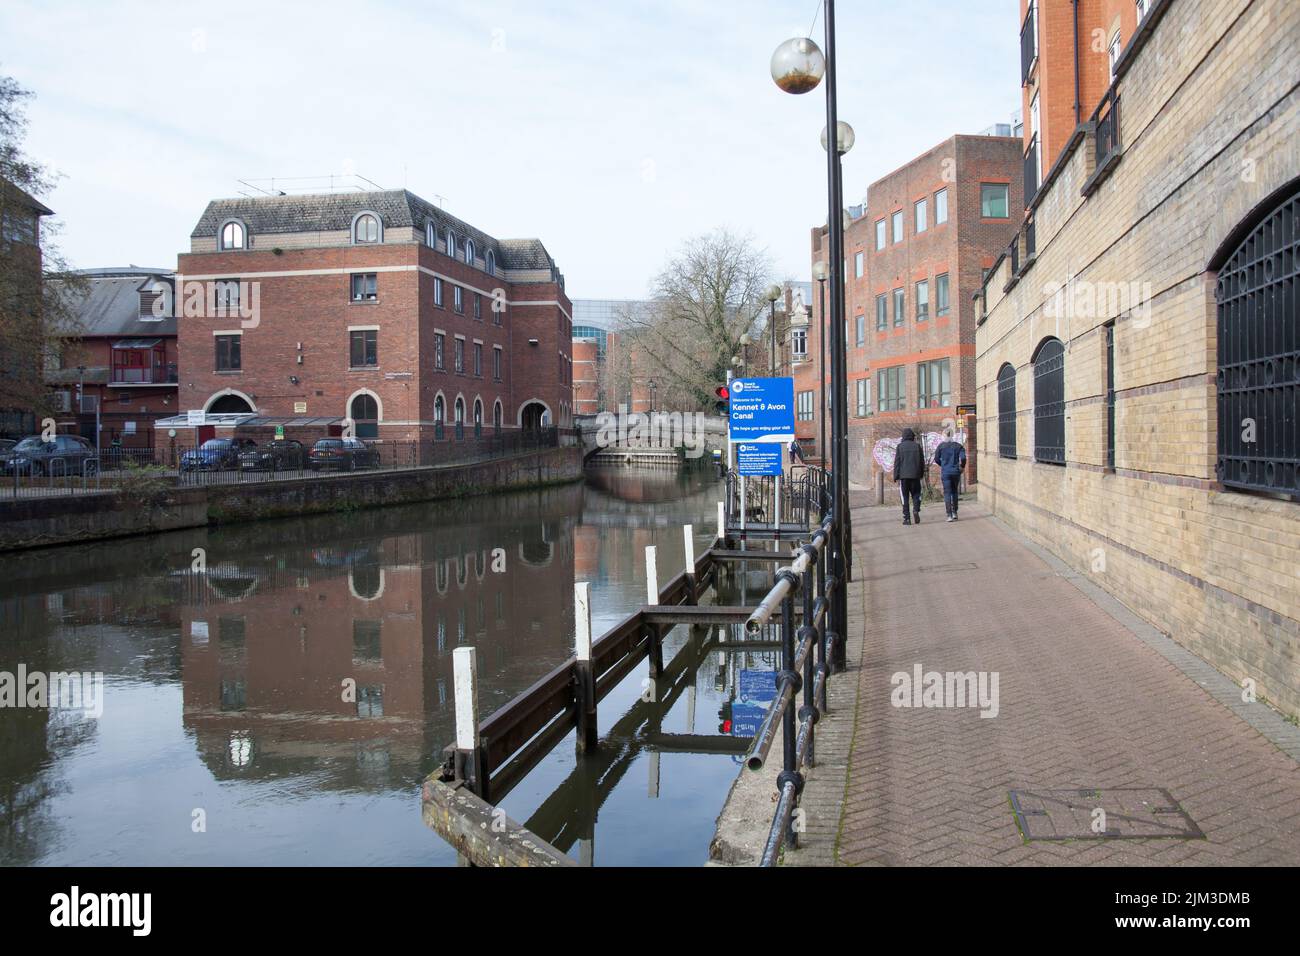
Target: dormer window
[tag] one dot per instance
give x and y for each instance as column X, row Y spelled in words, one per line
column 366, row 229
column 451, row 244
column 234, row 236
column 431, row 236
column 469, row 251
column 491, row 263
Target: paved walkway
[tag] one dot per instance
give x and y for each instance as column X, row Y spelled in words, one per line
column 1088, row 700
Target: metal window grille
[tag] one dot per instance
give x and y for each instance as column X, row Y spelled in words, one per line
column 1049, row 403
column 1007, row 412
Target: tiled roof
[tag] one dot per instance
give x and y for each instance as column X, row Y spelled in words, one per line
column 111, row 304
column 330, row 212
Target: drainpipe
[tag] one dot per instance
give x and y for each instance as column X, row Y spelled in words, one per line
column 1077, row 105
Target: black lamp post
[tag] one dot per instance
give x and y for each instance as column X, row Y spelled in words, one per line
column 798, row 67
column 653, row 388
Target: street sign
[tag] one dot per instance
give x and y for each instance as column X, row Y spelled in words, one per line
column 762, row 410
column 757, row 686
column 196, row 417
column 279, row 432
column 756, row 459
column 964, row 410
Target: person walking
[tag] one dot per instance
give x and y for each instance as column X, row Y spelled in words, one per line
column 950, row 456
column 909, row 469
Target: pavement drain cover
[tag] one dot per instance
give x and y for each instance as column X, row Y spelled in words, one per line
column 1130, row 813
column 968, row 566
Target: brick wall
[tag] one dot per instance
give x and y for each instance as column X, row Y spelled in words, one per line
column 1209, row 125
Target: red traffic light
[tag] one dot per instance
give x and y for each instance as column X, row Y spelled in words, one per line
column 722, row 392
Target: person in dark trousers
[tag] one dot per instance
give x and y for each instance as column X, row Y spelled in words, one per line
column 796, row 453
column 950, row 456
column 909, row 469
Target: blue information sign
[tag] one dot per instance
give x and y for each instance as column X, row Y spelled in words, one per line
column 757, row 685
column 762, row 410
column 758, row 459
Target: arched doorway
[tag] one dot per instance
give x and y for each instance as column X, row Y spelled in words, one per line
column 230, row 405
column 534, row 416
column 364, row 412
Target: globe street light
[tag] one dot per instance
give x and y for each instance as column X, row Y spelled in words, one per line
column 798, row 65
column 772, row 293
column 844, row 137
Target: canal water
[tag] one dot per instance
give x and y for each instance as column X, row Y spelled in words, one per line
column 283, row 703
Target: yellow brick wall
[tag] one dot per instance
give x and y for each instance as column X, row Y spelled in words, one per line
column 1210, row 128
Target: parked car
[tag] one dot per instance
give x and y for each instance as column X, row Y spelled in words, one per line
column 215, row 454
column 280, row 454
column 344, row 454
column 63, row 455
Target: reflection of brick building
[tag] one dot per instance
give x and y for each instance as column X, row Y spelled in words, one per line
column 265, row 649
column 123, row 363
column 374, row 306
column 914, row 257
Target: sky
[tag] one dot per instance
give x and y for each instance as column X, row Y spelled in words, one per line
column 614, row 131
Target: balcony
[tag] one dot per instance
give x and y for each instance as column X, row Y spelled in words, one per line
column 141, row 375
column 1028, row 44
column 1031, row 170
column 1106, row 123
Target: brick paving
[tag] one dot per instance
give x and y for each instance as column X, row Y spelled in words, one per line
column 1086, row 702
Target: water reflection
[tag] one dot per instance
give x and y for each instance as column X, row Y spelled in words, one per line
column 292, row 695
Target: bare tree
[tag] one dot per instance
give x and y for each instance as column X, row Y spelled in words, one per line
column 705, row 298
column 38, row 294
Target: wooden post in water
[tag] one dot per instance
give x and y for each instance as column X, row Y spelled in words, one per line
column 692, row 591
column 470, row 763
column 656, row 653
column 586, row 689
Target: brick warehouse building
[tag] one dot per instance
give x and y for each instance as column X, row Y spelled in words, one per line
column 915, row 254
column 374, row 306
column 1139, row 362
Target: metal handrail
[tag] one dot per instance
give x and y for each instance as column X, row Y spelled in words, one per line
column 807, row 577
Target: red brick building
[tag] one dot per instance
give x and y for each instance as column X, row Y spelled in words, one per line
column 914, row 258
column 1068, row 53
column 377, row 307
column 120, row 371
column 22, row 343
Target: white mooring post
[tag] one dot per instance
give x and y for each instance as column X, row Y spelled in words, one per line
column 688, row 534
column 722, row 522
column 582, row 650
column 469, row 754
column 651, row 576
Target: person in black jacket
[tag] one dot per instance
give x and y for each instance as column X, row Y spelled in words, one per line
column 909, row 469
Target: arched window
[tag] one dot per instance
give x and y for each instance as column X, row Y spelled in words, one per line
column 234, row 236
column 439, row 410
column 431, row 235
column 478, row 411
column 469, row 251
column 491, row 263
column 451, row 244
column 460, row 410
column 365, row 228
column 496, row 415
column 364, row 412
column 1007, row 411
column 1257, row 298
column 1049, row 402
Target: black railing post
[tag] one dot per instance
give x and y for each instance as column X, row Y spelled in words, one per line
column 790, row 758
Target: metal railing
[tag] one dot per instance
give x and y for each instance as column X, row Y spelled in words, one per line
column 806, row 656
column 1031, row 170
column 1106, row 123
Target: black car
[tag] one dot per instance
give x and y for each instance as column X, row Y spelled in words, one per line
column 283, row 454
column 344, row 454
column 61, row 455
column 215, row 454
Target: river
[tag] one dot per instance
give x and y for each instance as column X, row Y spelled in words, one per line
column 229, row 735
